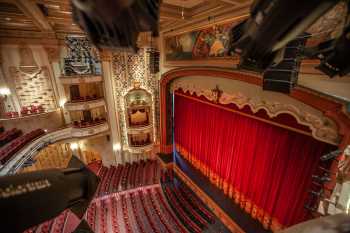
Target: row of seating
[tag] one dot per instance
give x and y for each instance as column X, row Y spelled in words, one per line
column 32, row 109
column 142, row 211
column 9, row 135
column 125, row 214
column 158, row 212
column 114, row 210
column 181, row 213
column 26, row 111
column 186, row 196
column 103, row 217
column 91, row 216
column 128, row 176
column 56, row 225
column 11, row 148
column 136, row 212
column 161, row 199
column 197, row 204
column 148, row 215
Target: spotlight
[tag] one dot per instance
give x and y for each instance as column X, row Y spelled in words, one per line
column 331, row 155
column 62, row 102
column 318, row 194
column 321, row 179
column 116, row 24
column 74, row 146
column 271, row 26
column 117, row 147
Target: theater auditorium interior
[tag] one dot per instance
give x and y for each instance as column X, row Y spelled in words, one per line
column 174, row 116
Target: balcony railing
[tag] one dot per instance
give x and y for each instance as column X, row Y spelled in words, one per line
column 77, row 79
column 84, row 105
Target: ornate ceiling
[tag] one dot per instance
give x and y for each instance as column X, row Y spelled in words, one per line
column 52, row 19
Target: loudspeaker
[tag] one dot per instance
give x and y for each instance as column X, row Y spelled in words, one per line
column 283, row 76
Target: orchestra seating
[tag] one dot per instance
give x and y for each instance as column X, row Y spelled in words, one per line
column 9, row 135
column 130, row 199
column 142, row 210
column 56, row 225
column 7, row 151
column 128, row 176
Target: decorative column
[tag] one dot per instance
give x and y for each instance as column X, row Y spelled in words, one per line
column 53, row 54
column 113, row 119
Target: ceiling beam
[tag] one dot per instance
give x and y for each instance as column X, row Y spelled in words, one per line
column 32, row 11
column 232, row 2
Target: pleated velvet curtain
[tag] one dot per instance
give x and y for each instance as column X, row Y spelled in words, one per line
column 265, row 169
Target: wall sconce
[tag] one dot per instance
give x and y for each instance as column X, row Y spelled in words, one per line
column 74, row 146
column 4, row 92
column 62, row 102
column 117, row 147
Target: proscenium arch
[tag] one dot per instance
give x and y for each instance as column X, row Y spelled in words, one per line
column 330, row 108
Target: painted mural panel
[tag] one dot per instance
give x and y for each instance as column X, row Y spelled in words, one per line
column 208, row 43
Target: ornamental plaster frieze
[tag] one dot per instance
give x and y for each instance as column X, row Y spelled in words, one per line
column 322, row 127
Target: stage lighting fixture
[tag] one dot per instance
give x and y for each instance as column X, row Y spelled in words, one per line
column 310, row 208
column 337, row 62
column 321, row 179
column 271, row 26
column 116, row 24
column 318, row 194
column 331, row 155
column 29, row 199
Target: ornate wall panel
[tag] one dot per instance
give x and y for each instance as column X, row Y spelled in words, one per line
column 32, row 83
column 128, row 70
column 34, row 89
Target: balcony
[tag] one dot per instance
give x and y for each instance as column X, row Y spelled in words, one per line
column 90, row 129
column 84, row 104
column 140, row 149
column 78, row 79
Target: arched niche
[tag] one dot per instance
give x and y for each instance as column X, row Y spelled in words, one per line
column 138, row 104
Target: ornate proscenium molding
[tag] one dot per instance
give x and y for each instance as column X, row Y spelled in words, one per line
column 217, row 93
column 330, row 108
column 322, row 127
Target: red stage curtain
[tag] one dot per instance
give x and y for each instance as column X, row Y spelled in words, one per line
column 266, row 169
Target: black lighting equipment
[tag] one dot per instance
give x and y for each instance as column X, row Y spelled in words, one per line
column 334, row 54
column 28, row 199
column 271, row 26
column 116, row 24
column 331, row 155
column 310, row 208
column 321, row 179
column 318, row 194
column 283, row 76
